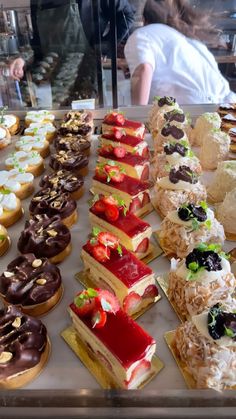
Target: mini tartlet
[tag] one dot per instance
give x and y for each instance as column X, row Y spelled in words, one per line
column 34, row 285
column 30, row 162
column 45, row 237
column 64, row 181
column 17, row 181
column 224, row 181
column 200, row 281
column 48, row 130
column 10, row 208
column 40, row 117
column 185, row 228
column 215, row 148
column 36, row 143
column 12, row 123
column 74, row 143
column 182, row 185
column 51, row 202
column 77, row 123
column 5, row 137
column 4, row 240
column 205, row 123
column 226, row 214
column 76, row 163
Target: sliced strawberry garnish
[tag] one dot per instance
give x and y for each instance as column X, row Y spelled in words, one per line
column 99, row 319
column 99, row 207
column 108, row 301
column 118, row 178
column 145, row 153
column 106, row 150
column 111, row 212
column 115, row 118
column 85, row 302
column 118, row 133
column 131, row 303
column 101, row 253
column 114, row 173
column 135, row 205
column 145, row 173
column 90, row 245
column 143, row 246
column 146, row 199
column 108, row 240
column 119, row 152
column 100, row 174
column 151, row 291
column 139, row 371
column 110, row 200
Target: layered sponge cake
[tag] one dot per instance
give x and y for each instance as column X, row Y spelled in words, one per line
column 115, row 121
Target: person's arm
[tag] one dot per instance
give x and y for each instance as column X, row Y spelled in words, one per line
column 16, row 69
column 141, row 84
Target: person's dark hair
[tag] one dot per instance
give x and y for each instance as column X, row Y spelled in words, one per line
column 183, row 17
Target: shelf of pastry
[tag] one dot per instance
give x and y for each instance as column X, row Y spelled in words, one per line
column 65, row 378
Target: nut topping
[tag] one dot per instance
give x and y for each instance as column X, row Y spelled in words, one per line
column 41, row 281
column 52, row 233
column 5, row 357
column 17, row 322
column 8, row 274
column 36, row 263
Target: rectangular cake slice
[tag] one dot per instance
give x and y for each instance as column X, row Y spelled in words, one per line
column 121, row 346
column 115, row 121
column 132, row 144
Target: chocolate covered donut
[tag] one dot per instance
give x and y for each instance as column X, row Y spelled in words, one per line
column 71, row 161
column 75, row 143
column 52, row 202
column 45, row 237
column 64, row 181
column 34, row 284
column 24, row 347
column 77, row 122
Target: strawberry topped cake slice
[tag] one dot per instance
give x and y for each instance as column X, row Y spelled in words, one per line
column 118, row 121
column 110, row 179
column 110, row 265
column 109, row 213
column 134, row 166
column 132, row 144
column 102, row 328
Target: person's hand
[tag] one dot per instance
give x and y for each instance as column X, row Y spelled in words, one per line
column 17, row 68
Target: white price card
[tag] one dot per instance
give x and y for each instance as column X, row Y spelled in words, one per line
column 83, row 104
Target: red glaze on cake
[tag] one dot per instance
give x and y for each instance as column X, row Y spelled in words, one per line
column 132, row 144
column 120, row 123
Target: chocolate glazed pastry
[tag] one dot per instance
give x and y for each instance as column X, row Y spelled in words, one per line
column 24, row 348
column 51, row 202
column 71, row 161
column 77, row 122
column 45, row 237
column 172, row 130
column 65, row 182
column 75, row 143
column 31, row 283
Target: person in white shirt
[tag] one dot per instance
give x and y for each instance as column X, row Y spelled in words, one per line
column 166, row 57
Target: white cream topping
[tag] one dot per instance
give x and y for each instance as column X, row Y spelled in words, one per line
column 29, row 142
column 227, row 106
column 213, row 117
column 176, row 159
column 39, row 116
column 23, row 160
column 174, row 218
column 13, row 179
column 204, row 275
column 226, row 212
column 224, row 180
column 229, row 117
column 200, row 322
column 40, row 129
column 165, row 183
column 2, row 133
column 9, row 120
column 8, row 202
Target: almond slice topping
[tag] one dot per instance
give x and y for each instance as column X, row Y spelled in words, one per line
column 41, row 281
column 5, row 357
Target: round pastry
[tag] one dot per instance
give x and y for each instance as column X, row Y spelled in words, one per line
column 12, row 123
column 73, row 143
column 77, row 123
column 71, row 161
column 205, row 123
column 32, row 284
column 51, row 202
column 175, row 117
column 17, row 181
column 4, row 240
column 200, row 280
column 41, row 117
column 10, row 208
column 175, row 155
column 181, row 186
column 64, row 181
column 185, row 228
column 33, row 143
column 47, row 130
column 24, row 349
column 160, row 106
column 30, row 162
column 46, row 237
column 226, row 214
column 224, row 181
column 169, row 133
column 5, row 137
column 215, row 148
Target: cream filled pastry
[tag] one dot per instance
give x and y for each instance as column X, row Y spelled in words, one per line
column 17, row 181
column 5, row 137
column 206, row 345
column 46, row 129
column 205, row 123
column 200, row 280
column 174, row 155
column 160, row 106
column 169, row 133
column 10, row 208
column 185, row 228
column 30, row 162
column 175, row 117
column 226, row 214
column 37, row 143
column 182, row 185
column 41, row 117
column 224, row 181
column 215, row 148
column 12, row 123
column 4, row 240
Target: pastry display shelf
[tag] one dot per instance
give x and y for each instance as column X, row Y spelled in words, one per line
column 65, row 388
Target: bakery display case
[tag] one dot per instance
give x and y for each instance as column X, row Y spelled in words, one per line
column 65, row 388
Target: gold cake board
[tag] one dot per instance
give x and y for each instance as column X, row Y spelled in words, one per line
column 163, row 283
column 154, row 251
column 87, row 282
column 98, row 371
